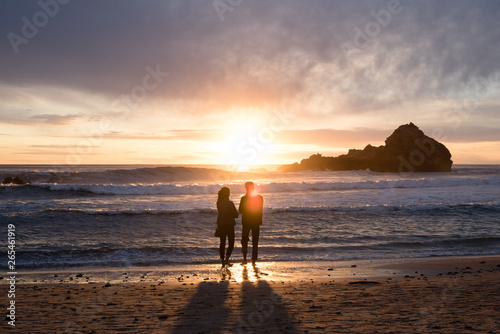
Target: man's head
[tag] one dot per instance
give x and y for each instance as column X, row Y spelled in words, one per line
column 250, row 187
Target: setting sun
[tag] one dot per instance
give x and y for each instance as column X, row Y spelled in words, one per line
column 243, row 144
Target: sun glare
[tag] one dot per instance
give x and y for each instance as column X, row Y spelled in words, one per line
column 242, row 147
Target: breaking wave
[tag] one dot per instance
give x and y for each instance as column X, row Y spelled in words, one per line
column 272, row 187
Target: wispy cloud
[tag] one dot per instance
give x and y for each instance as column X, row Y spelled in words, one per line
column 27, row 118
column 56, row 119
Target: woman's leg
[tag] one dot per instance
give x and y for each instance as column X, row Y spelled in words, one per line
column 230, row 239
column 222, row 245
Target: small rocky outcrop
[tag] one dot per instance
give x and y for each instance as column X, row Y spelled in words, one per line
column 15, row 180
column 408, row 149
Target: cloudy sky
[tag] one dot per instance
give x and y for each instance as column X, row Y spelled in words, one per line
column 244, row 81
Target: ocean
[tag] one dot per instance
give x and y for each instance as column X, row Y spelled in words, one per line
column 143, row 215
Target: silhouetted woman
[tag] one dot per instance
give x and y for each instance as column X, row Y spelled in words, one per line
column 225, row 224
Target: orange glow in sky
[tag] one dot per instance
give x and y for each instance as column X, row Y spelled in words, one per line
column 174, row 83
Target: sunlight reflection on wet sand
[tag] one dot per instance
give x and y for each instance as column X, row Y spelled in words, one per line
column 239, row 273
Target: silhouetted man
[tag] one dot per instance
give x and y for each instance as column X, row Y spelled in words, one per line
column 251, row 217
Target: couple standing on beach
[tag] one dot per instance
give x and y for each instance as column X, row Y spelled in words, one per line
column 250, row 208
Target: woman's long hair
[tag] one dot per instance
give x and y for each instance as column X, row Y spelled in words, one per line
column 223, row 194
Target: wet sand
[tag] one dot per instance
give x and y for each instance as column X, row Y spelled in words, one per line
column 431, row 295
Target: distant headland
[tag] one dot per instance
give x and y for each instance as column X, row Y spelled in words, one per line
column 408, row 149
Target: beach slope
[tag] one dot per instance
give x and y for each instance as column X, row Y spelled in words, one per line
column 437, row 295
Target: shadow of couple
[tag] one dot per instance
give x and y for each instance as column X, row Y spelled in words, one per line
column 212, row 309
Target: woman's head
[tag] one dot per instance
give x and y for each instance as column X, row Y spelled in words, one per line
column 223, row 193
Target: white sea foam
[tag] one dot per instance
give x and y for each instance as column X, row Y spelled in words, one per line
column 272, row 187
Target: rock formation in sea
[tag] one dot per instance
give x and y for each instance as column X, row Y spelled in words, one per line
column 408, row 149
column 15, row 180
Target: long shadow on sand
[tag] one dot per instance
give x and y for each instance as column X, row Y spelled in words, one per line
column 263, row 310
column 207, row 303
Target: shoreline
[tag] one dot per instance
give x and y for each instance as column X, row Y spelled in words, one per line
column 278, row 271
column 426, row 295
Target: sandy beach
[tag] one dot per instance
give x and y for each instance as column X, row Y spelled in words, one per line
column 430, row 295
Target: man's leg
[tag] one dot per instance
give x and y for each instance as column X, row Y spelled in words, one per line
column 244, row 242
column 255, row 243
